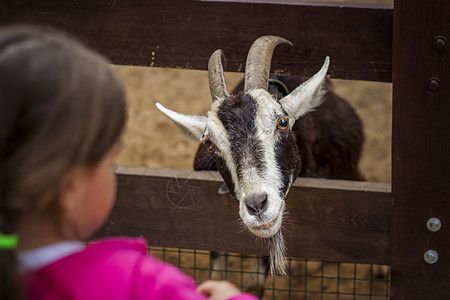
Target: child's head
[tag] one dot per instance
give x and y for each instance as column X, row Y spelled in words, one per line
column 61, row 107
column 62, row 110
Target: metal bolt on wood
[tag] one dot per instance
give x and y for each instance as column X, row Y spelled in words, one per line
column 440, row 43
column 433, row 224
column 431, row 257
column 433, row 84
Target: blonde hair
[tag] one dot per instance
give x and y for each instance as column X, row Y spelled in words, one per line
column 61, row 106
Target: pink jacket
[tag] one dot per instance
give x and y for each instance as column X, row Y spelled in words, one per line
column 112, row 269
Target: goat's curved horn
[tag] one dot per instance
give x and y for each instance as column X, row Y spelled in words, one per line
column 217, row 84
column 259, row 58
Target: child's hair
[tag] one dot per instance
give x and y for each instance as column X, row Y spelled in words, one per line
column 61, row 106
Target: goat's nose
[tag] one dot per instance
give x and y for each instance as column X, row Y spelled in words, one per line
column 256, row 204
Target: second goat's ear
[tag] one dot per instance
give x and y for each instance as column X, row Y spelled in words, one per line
column 191, row 125
column 308, row 95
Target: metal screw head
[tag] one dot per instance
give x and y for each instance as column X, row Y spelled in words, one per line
column 433, row 224
column 440, row 43
column 433, row 84
column 431, row 256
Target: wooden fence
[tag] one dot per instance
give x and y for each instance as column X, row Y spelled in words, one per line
column 334, row 220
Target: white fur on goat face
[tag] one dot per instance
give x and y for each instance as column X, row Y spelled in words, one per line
column 246, row 140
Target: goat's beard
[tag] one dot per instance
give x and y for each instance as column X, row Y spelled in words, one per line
column 277, row 251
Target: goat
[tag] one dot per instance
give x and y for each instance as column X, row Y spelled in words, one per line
column 260, row 143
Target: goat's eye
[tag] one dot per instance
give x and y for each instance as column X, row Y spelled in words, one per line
column 283, row 123
column 208, row 144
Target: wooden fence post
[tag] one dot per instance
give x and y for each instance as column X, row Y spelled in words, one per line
column 421, row 150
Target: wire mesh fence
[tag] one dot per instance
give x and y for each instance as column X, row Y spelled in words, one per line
column 307, row 279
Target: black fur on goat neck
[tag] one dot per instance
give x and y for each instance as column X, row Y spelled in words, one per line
column 328, row 139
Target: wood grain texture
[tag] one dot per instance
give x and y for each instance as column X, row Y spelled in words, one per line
column 183, row 34
column 331, row 220
column 421, row 147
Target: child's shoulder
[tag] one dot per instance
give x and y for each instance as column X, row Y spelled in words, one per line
column 149, row 275
column 109, row 267
column 118, row 255
column 122, row 253
column 123, row 266
column 117, row 245
column 112, row 251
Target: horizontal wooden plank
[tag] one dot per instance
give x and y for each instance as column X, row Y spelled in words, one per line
column 330, row 220
column 183, row 34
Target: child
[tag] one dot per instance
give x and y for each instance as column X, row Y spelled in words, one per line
column 62, row 110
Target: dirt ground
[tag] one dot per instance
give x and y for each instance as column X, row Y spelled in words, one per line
column 152, row 140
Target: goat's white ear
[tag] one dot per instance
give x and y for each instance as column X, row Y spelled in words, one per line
column 191, row 125
column 308, row 95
